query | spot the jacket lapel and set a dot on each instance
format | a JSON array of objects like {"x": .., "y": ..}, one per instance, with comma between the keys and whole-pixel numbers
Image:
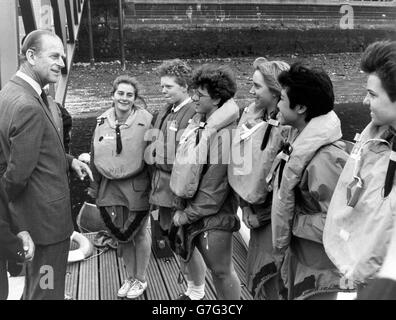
[{"x": 48, "y": 113}]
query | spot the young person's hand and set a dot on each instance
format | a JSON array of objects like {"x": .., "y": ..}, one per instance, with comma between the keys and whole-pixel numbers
[{"x": 180, "y": 218}]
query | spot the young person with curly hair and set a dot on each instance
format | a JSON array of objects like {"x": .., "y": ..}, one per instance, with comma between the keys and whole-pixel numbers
[
  {"x": 171, "y": 121},
  {"x": 208, "y": 217}
]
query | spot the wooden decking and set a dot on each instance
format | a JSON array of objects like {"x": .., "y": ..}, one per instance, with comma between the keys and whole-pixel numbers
[{"x": 100, "y": 276}]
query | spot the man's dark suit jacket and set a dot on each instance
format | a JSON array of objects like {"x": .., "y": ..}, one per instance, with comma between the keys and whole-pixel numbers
[
  {"x": 33, "y": 165},
  {"x": 10, "y": 245}
]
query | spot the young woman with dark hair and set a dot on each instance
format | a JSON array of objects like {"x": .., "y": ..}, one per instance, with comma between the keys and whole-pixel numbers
[
  {"x": 304, "y": 176},
  {"x": 361, "y": 214}
]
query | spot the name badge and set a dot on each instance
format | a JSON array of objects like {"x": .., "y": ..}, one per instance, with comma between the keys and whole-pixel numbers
[
  {"x": 284, "y": 156},
  {"x": 202, "y": 124},
  {"x": 273, "y": 122},
  {"x": 108, "y": 137},
  {"x": 173, "y": 126},
  {"x": 357, "y": 137},
  {"x": 354, "y": 190}
]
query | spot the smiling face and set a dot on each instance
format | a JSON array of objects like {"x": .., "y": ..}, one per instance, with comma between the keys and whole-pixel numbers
[
  {"x": 48, "y": 61},
  {"x": 383, "y": 110},
  {"x": 264, "y": 98},
  {"x": 124, "y": 98},
  {"x": 172, "y": 91}
]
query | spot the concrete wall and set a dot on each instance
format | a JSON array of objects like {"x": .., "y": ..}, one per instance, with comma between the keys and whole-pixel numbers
[
  {"x": 165, "y": 44},
  {"x": 236, "y": 28}
]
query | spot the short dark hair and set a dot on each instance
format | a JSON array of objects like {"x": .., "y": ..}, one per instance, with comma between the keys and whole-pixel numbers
[
  {"x": 380, "y": 58},
  {"x": 218, "y": 80},
  {"x": 33, "y": 40},
  {"x": 178, "y": 69},
  {"x": 310, "y": 87}
]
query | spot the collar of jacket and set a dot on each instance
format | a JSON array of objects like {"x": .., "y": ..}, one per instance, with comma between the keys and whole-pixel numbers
[
  {"x": 250, "y": 114},
  {"x": 109, "y": 115},
  {"x": 224, "y": 116},
  {"x": 377, "y": 132},
  {"x": 181, "y": 105}
]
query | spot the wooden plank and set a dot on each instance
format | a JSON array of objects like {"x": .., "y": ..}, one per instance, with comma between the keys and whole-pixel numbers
[
  {"x": 156, "y": 289},
  {"x": 71, "y": 282},
  {"x": 240, "y": 258},
  {"x": 238, "y": 238},
  {"x": 88, "y": 283},
  {"x": 159, "y": 291},
  {"x": 169, "y": 269},
  {"x": 108, "y": 275},
  {"x": 101, "y": 277}
]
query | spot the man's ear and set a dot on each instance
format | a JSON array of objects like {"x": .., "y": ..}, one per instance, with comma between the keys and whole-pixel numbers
[
  {"x": 301, "y": 109},
  {"x": 30, "y": 56}
]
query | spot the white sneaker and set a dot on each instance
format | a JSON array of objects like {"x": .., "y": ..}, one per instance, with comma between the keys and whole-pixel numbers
[
  {"x": 137, "y": 289},
  {"x": 128, "y": 283}
]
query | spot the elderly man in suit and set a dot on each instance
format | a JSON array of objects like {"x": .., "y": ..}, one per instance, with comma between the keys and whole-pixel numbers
[{"x": 34, "y": 166}]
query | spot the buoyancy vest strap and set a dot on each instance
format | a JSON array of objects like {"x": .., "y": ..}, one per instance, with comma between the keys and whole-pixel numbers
[
  {"x": 390, "y": 174},
  {"x": 168, "y": 111},
  {"x": 202, "y": 125},
  {"x": 271, "y": 123},
  {"x": 286, "y": 152},
  {"x": 118, "y": 139},
  {"x": 123, "y": 236},
  {"x": 307, "y": 284}
]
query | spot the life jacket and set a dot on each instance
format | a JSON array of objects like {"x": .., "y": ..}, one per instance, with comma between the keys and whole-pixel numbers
[
  {"x": 118, "y": 149},
  {"x": 302, "y": 191},
  {"x": 361, "y": 214},
  {"x": 254, "y": 147},
  {"x": 320, "y": 131},
  {"x": 196, "y": 146}
]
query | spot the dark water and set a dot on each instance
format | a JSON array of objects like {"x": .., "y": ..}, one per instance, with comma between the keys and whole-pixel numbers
[{"x": 354, "y": 117}]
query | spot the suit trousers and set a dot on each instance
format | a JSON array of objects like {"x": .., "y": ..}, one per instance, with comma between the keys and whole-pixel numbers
[
  {"x": 3, "y": 280},
  {"x": 45, "y": 275}
]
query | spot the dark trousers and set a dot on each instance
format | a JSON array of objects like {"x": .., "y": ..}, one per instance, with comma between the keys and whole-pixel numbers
[
  {"x": 45, "y": 275},
  {"x": 3, "y": 280}
]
